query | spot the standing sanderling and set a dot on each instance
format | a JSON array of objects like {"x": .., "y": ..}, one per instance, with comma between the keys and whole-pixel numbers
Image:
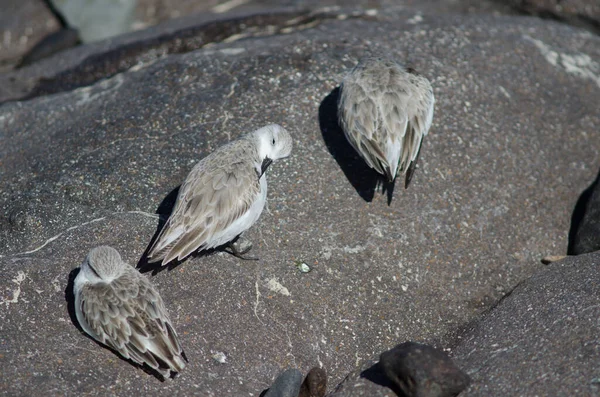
[
  {"x": 385, "y": 111},
  {"x": 119, "y": 307},
  {"x": 222, "y": 196}
]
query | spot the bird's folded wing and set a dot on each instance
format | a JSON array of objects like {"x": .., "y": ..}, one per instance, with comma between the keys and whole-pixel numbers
[
  {"x": 130, "y": 317},
  {"x": 207, "y": 204},
  {"x": 420, "y": 115},
  {"x": 359, "y": 118}
]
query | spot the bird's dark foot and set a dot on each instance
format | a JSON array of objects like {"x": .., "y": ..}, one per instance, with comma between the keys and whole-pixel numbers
[{"x": 241, "y": 246}]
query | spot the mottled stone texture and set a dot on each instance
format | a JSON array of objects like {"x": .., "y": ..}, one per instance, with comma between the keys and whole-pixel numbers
[
  {"x": 514, "y": 142},
  {"x": 542, "y": 339}
]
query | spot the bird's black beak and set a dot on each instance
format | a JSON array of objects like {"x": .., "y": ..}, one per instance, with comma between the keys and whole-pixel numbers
[{"x": 265, "y": 164}]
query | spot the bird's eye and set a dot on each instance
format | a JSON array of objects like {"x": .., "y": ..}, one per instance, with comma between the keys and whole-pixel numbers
[{"x": 273, "y": 141}]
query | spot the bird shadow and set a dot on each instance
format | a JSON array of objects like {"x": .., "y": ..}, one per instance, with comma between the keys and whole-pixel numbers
[
  {"x": 376, "y": 375},
  {"x": 164, "y": 210},
  {"x": 363, "y": 178},
  {"x": 70, "y": 299},
  {"x": 581, "y": 210}
]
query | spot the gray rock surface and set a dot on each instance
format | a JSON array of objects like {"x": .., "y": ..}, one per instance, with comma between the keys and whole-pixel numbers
[
  {"x": 84, "y": 66},
  {"x": 367, "y": 380},
  {"x": 542, "y": 339},
  {"x": 154, "y": 11},
  {"x": 513, "y": 143}
]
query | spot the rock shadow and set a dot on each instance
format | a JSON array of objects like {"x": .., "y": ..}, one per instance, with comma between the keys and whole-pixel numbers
[
  {"x": 584, "y": 232},
  {"x": 376, "y": 375},
  {"x": 364, "y": 179},
  {"x": 70, "y": 299}
]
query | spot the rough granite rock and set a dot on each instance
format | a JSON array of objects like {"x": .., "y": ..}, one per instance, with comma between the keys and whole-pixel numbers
[
  {"x": 84, "y": 66},
  {"x": 23, "y": 23},
  {"x": 514, "y": 141},
  {"x": 542, "y": 339},
  {"x": 583, "y": 13},
  {"x": 367, "y": 380}
]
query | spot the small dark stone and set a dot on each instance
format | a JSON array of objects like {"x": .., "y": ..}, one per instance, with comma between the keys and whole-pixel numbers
[
  {"x": 423, "y": 371},
  {"x": 287, "y": 384},
  {"x": 315, "y": 383}
]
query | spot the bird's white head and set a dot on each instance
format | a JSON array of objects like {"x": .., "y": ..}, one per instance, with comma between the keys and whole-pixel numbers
[
  {"x": 273, "y": 143},
  {"x": 102, "y": 264}
]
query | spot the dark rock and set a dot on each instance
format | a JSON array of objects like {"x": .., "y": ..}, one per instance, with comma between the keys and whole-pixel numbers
[
  {"x": 419, "y": 370},
  {"x": 582, "y": 13},
  {"x": 542, "y": 339},
  {"x": 50, "y": 45},
  {"x": 106, "y": 58},
  {"x": 23, "y": 23},
  {"x": 315, "y": 383},
  {"x": 256, "y": 18},
  {"x": 287, "y": 384},
  {"x": 150, "y": 12},
  {"x": 584, "y": 235},
  {"x": 513, "y": 143}
]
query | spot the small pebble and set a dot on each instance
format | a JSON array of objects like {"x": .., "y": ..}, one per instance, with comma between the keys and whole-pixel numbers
[
  {"x": 303, "y": 267},
  {"x": 423, "y": 371},
  {"x": 315, "y": 383}
]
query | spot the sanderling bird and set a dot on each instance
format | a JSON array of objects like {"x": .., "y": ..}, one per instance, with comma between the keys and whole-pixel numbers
[
  {"x": 385, "y": 111},
  {"x": 222, "y": 196},
  {"x": 119, "y": 307}
]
